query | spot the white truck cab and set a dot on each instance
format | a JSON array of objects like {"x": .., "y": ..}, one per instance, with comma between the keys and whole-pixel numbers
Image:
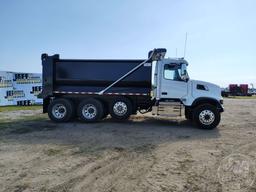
[{"x": 172, "y": 88}]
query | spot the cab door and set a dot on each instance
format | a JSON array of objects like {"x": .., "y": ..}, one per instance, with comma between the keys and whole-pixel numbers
[{"x": 172, "y": 86}]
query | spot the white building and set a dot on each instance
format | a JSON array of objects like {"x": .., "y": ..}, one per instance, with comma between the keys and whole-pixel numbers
[{"x": 20, "y": 88}]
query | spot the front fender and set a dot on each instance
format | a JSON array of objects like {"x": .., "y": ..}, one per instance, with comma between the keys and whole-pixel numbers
[{"x": 212, "y": 101}]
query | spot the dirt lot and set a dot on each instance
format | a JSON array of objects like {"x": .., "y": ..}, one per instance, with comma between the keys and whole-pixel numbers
[{"x": 142, "y": 154}]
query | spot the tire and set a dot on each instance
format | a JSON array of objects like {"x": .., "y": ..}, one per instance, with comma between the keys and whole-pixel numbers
[
  {"x": 120, "y": 108},
  {"x": 105, "y": 112},
  {"x": 61, "y": 110},
  {"x": 189, "y": 114},
  {"x": 104, "y": 116},
  {"x": 90, "y": 110},
  {"x": 206, "y": 116}
]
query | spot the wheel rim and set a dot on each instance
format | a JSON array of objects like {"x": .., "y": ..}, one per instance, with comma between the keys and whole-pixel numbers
[
  {"x": 120, "y": 108},
  {"x": 59, "y": 111},
  {"x": 206, "y": 117},
  {"x": 89, "y": 111}
]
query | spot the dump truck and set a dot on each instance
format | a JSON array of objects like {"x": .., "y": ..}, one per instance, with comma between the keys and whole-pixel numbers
[{"x": 92, "y": 89}]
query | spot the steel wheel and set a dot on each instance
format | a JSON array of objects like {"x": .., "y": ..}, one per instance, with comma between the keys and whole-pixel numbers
[
  {"x": 61, "y": 110},
  {"x": 206, "y": 117},
  {"x": 89, "y": 111},
  {"x": 120, "y": 108}
]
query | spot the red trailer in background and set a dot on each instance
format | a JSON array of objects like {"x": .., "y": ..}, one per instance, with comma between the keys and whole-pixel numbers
[
  {"x": 233, "y": 89},
  {"x": 237, "y": 90},
  {"x": 244, "y": 89}
]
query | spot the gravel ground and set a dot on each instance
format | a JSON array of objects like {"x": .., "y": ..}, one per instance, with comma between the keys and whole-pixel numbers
[{"x": 142, "y": 154}]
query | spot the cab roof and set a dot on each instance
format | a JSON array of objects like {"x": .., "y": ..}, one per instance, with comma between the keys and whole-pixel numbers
[{"x": 175, "y": 60}]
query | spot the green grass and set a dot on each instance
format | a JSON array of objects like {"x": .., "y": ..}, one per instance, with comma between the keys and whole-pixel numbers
[
  {"x": 243, "y": 97},
  {"x": 16, "y": 108},
  {"x": 52, "y": 152},
  {"x": 27, "y": 124}
]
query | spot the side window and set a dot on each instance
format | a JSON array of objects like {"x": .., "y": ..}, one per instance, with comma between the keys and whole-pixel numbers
[{"x": 171, "y": 72}]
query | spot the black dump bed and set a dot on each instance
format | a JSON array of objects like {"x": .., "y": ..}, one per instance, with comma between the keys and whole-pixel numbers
[{"x": 67, "y": 76}]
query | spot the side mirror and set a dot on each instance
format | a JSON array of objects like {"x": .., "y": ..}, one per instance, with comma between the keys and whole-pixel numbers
[
  {"x": 184, "y": 74},
  {"x": 184, "y": 77}
]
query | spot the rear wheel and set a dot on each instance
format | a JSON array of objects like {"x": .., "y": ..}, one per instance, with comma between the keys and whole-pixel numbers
[
  {"x": 120, "y": 108},
  {"x": 206, "y": 116},
  {"x": 90, "y": 110},
  {"x": 61, "y": 110},
  {"x": 105, "y": 112}
]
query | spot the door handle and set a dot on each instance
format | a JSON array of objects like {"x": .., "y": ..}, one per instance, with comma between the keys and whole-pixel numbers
[{"x": 164, "y": 93}]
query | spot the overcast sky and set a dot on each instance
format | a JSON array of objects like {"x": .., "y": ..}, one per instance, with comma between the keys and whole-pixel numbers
[{"x": 221, "y": 46}]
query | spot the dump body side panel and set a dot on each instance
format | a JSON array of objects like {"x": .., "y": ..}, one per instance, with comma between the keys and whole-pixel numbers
[
  {"x": 95, "y": 75},
  {"x": 91, "y": 76}
]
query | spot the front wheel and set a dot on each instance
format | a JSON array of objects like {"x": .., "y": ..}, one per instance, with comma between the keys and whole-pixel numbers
[{"x": 206, "y": 116}]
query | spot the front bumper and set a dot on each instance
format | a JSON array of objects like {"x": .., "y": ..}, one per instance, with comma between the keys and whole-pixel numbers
[{"x": 221, "y": 106}]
